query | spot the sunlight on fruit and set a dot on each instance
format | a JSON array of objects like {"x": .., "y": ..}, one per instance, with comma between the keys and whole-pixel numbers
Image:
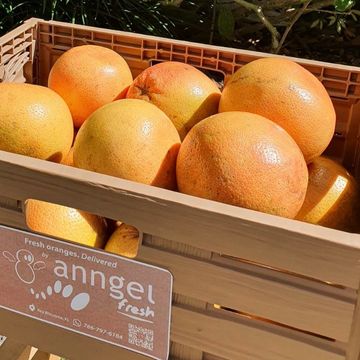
[{"x": 331, "y": 197}]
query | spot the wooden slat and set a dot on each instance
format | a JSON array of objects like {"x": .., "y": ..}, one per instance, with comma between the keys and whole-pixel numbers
[
  {"x": 245, "y": 339},
  {"x": 180, "y": 351},
  {"x": 353, "y": 350},
  {"x": 222, "y": 336},
  {"x": 54, "y": 357},
  {"x": 40, "y": 355},
  {"x": 284, "y": 276},
  {"x": 12, "y": 218},
  {"x": 211, "y": 357},
  {"x": 55, "y": 340},
  {"x": 317, "y": 308},
  {"x": 13, "y": 350},
  {"x": 306, "y": 249},
  {"x": 26, "y": 354},
  {"x": 9, "y": 203},
  {"x": 32, "y": 352}
]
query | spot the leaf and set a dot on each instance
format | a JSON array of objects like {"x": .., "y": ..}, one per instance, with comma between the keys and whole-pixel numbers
[
  {"x": 226, "y": 23},
  {"x": 315, "y": 23},
  {"x": 342, "y": 23},
  {"x": 343, "y": 5},
  {"x": 332, "y": 20},
  {"x": 354, "y": 16},
  {"x": 338, "y": 27}
]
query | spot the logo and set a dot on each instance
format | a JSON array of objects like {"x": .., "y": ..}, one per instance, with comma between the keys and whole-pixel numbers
[
  {"x": 97, "y": 294},
  {"x": 78, "y": 301},
  {"x": 25, "y": 266}
]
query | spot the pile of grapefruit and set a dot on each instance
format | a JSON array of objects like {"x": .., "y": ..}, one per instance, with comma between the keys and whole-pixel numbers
[{"x": 258, "y": 143}]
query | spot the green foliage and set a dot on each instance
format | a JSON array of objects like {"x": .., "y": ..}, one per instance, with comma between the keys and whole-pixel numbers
[
  {"x": 226, "y": 23},
  {"x": 131, "y": 15},
  {"x": 320, "y": 29},
  {"x": 343, "y": 5}
]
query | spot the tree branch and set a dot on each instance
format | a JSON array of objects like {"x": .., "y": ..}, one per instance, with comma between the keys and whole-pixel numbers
[
  {"x": 302, "y": 6},
  {"x": 296, "y": 17},
  {"x": 213, "y": 23},
  {"x": 281, "y": 4},
  {"x": 321, "y": 4},
  {"x": 260, "y": 14}
]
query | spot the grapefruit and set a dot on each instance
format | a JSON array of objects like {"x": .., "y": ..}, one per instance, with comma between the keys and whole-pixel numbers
[
  {"x": 332, "y": 198},
  {"x": 288, "y": 94},
  {"x": 245, "y": 160},
  {"x": 34, "y": 121},
  {"x": 131, "y": 139},
  {"x": 184, "y": 93},
  {"x": 69, "y": 158},
  {"x": 88, "y": 77},
  {"x": 124, "y": 241},
  {"x": 65, "y": 223}
]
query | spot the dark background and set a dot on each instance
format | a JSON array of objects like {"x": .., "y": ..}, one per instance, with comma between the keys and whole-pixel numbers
[{"x": 318, "y": 29}]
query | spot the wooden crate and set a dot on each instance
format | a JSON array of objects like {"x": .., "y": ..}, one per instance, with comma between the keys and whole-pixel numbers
[{"x": 294, "y": 286}]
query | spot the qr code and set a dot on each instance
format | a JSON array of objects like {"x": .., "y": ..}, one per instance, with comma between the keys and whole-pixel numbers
[{"x": 141, "y": 337}]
